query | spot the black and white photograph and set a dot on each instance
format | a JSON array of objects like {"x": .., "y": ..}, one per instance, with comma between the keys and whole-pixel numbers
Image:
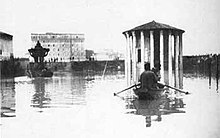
[{"x": 109, "y": 68}]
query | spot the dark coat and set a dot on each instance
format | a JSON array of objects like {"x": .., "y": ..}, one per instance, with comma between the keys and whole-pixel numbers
[{"x": 148, "y": 80}]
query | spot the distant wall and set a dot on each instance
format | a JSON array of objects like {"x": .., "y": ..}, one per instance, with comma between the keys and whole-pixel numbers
[
  {"x": 204, "y": 64},
  {"x": 13, "y": 67},
  {"x": 113, "y": 65},
  {"x": 56, "y": 66}
]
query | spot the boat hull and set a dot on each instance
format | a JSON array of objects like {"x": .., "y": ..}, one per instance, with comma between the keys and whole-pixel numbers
[{"x": 144, "y": 94}]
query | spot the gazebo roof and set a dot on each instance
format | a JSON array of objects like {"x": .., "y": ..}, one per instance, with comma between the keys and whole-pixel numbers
[{"x": 154, "y": 26}]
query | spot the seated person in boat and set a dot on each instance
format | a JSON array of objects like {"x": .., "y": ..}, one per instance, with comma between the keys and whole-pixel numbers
[
  {"x": 156, "y": 71},
  {"x": 148, "y": 79}
]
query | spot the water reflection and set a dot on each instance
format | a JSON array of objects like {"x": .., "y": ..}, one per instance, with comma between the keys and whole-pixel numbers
[
  {"x": 7, "y": 97},
  {"x": 212, "y": 81},
  {"x": 89, "y": 106},
  {"x": 155, "y": 108},
  {"x": 63, "y": 90},
  {"x": 68, "y": 89},
  {"x": 211, "y": 75},
  {"x": 40, "y": 98}
]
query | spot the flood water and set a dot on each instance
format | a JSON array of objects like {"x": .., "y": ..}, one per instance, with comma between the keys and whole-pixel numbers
[{"x": 74, "y": 104}]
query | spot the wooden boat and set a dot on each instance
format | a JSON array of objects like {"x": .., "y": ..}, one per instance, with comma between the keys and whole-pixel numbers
[{"x": 145, "y": 94}]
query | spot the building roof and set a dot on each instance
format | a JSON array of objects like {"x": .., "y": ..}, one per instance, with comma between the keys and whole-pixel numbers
[
  {"x": 154, "y": 26},
  {"x": 50, "y": 33},
  {"x": 5, "y": 36}
]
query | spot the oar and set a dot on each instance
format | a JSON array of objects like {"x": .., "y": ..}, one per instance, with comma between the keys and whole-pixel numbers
[
  {"x": 127, "y": 89},
  {"x": 119, "y": 97},
  {"x": 174, "y": 88}
]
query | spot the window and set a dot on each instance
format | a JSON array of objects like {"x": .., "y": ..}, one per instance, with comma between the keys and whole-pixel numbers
[{"x": 0, "y": 52}]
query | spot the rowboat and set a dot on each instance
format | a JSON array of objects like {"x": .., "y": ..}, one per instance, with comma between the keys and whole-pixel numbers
[{"x": 144, "y": 94}]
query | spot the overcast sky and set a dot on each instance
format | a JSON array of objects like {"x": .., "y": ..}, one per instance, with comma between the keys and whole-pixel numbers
[{"x": 103, "y": 21}]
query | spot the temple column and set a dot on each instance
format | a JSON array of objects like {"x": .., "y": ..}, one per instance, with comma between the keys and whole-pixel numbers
[
  {"x": 142, "y": 51},
  {"x": 151, "y": 49},
  {"x": 127, "y": 58},
  {"x": 130, "y": 59},
  {"x": 161, "y": 56},
  {"x": 147, "y": 50},
  {"x": 134, "y": 57},
  {"x": 176, "y": 60},
  {"x": 180, "y": 61},
  {"x": 170, "y": 58}
]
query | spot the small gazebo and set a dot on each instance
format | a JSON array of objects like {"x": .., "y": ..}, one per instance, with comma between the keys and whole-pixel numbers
[
  {"x": 38, "y": 52},
  {"x": 38, "y": 68},
  {"x": 159, "y": 44}
]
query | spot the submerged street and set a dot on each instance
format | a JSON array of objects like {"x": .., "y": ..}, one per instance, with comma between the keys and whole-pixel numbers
[{"x": 81, "y": 105}]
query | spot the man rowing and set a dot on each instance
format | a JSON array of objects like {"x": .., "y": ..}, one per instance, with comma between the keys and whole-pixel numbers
[
  {"x": 156, "y": 71},
  {"x": 148, "y": 79},
  {"x": 148, "y": 85}
]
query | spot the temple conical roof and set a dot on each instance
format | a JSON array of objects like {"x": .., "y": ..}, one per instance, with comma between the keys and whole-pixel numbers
[{"x": 154, "y": 26}]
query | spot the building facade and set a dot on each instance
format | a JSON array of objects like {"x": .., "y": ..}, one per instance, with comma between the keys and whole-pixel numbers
[
  {"x": 63, "y": 47},
  {"x": 6, "y": 46}
]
